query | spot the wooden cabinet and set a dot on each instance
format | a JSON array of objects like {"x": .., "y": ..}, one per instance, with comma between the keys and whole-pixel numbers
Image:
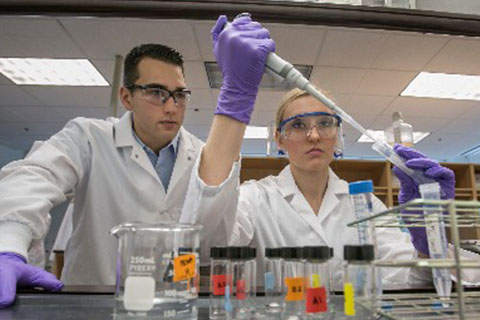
[{"x": 467, "y": 178}]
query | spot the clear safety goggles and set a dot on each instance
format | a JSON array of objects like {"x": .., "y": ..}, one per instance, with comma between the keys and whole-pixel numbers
[
  {"x": 299, "y": 127},
  {"x": 158, "y": 96}
]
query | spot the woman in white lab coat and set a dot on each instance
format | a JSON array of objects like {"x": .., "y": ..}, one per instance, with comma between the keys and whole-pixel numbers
[{"x": 306, "y": 204}]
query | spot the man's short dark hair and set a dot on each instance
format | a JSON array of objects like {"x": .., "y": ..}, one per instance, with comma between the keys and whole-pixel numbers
[{"x": 153, "y": 51}]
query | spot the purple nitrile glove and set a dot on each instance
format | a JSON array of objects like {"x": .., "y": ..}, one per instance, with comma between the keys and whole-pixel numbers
[
  {"x": 409, "y": 188},
  {"x": 241, "y": 49},
  {"x": 14, "y": 271}
]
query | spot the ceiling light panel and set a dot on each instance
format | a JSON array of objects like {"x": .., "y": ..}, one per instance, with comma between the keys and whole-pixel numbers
[
  {"x": 444, "y": 86},
  {"x": 51, "y": 72}
]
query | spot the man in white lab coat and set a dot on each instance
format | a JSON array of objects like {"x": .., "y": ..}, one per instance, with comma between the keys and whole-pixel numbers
[{"x": 133, "y": 168}]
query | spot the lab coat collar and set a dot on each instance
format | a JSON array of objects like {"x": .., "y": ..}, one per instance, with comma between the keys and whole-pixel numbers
[
  {"x": 288, "y": 187},
  {"x": 123, "y": 131},
  {"x": 336, "y": 188}
]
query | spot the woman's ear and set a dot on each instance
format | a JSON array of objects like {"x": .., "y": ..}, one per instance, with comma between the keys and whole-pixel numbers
[{"x": 279, "y": 141}]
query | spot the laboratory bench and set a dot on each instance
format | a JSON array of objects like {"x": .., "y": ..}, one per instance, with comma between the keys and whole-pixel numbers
[{"x": 96, "y": 302}]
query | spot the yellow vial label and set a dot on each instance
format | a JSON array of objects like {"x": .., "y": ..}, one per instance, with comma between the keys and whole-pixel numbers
[
  {"x": 316, "y": 281},
  {"x": 349, "y": 299}
]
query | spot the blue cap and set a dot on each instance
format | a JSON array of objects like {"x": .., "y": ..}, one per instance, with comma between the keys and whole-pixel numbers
[{"x": 360, "y": 187}]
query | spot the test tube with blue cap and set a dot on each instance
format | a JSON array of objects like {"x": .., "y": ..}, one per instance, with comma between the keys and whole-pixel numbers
[{"x": 361, "y": 197}]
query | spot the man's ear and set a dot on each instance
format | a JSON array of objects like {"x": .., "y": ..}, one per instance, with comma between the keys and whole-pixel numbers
[{"x": 126, "y": 98}]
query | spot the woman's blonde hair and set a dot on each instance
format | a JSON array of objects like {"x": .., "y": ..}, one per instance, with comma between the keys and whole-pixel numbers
[{"x": 291, "y": 96}]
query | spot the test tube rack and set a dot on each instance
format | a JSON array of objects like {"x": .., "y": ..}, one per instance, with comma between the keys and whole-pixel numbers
[{"x": 461, "y": 305}]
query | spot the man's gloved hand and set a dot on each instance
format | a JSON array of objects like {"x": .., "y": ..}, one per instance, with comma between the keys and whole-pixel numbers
[
  {"x": 241, "y": 49},
  {"x": 409, "y": 188},
  {"x": 14, "y": 271}
]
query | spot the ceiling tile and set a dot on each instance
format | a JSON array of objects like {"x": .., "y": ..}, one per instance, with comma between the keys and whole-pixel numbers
[
  {"x": 408, "y": 52},
  {"x": 104, "y": 38},
  {"x": 200, "y": 131},
  {"x": 36, "y": 113},
  {"x": 36, "y": 37},
  {"x": 8, "y": 116},
  {"x": 45, "y": 128},
  {"x": 338, "y": 80},
  {"x": 71, "y": 96},
  {"x": 269, "y": 100},
  {"x": 412, "y": 107},
  {"x": 263, "y": 118},
  {"x": 202, "y": 99},
  {"x": 16, "y": 96},
  {"x": 290, "y": 42},
  {"x": 384, "y": 82},
  {"x": 201, "y": 117},
  {"x": 89, "y": 112},
  {"x": 106, "y": 68},
  {"x": 202, "y": 32},
  {"x": 371, "y": 105},
  {"x": 350, "y": 48},
  {"x": 460, "y": 55},
  {"x": 196, "y": 76}
]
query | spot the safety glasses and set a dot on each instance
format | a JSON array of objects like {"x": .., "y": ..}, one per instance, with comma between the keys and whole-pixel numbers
[
  {"x": 299, "y": 127},
  {"x": 158, "y": 96}
]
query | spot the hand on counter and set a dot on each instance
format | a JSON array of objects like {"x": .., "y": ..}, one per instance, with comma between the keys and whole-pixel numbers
[{"x": 15, "y": 272}]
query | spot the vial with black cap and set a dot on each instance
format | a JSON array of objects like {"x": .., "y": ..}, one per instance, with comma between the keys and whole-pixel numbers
[
  {"x": 293, "y": 283},
  {"x": 218, "y": 282},
  {"x": 358, "y": 277},
  {"x": 273, "y": 281},
  {"x": 237, "y": 304},
  {"x": 317, "y": 282}
]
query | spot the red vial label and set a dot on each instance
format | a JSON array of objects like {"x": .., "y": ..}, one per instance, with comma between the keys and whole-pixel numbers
[
  {"x": 219, "y": 283},
  {"x": 316, "y": 300}
]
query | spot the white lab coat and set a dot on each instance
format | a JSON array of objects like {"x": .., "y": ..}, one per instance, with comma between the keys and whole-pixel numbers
[
  {"x": 272, "y": 212},
  {"x": 113, "y": 181}
]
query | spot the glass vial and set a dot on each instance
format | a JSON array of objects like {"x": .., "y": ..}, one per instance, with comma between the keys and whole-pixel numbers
[
  {"x": 358, "y": 281},
  {"x": 218, "y": 282},
  {"x": 237, "y": 304},
  {"x": 293, "y": 286},
  {"x": 400, "y": 132},
  {"x": 273, "y": 281},
  {"x": 317, "y": 282}
]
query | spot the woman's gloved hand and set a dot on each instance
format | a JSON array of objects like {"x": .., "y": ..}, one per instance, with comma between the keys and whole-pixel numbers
[
  {"x": 241, "y": 49},
  {"x": 14, "y": 271},
  {"x": 409, "y": 188}
]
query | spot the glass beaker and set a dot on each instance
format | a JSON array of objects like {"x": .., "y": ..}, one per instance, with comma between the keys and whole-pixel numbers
[{"x": 157, "y": 270}]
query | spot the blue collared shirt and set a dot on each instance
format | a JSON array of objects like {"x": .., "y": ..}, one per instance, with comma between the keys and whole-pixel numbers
[{"x": 164, "y": 161}]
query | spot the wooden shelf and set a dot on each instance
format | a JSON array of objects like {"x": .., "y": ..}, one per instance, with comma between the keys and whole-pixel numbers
[{"x": 380, "y": 172}]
